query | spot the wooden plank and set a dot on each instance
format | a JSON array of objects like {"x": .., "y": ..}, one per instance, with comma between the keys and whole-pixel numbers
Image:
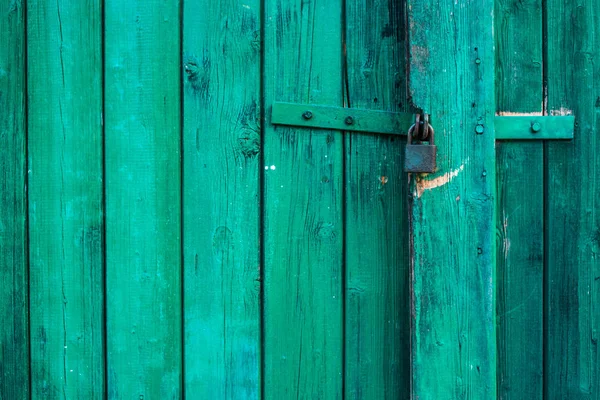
[
  {"x": 452, "y": 211},
  {"x": 377, "y": 280},
  {"x": 572, "y": 365},
  {"x": 65, "y": 199},
  {"x": 221, "y": 43},
  {"x": 14, "y": 345},
  {"x": 342, "y": 118},
  {"x": 143, "y": 197},
  {"x": 303, "y": 223},
  {"x": 528, "y": 127},
  {"x": 520, "y": 199}
]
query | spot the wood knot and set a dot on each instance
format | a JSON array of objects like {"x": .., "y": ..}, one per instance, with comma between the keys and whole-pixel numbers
[
  {"x": 223, "y": 240},
  {"x": 325, "y": 231}
]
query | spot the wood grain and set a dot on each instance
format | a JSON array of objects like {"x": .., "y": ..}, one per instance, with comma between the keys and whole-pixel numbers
[
  {"x": 14, "y": 346},
  {"x": 221, "y": 141},
  {"x": 303, "y": 219},
  {"x": 520, "y": 203},
  {"x": 572, "y": 365},
  {"x": 143, "y": 199},
  {"x": 452, "y": 211},
  {"x": 377, "y": 308},
  {"x": 64, "y": 67}
]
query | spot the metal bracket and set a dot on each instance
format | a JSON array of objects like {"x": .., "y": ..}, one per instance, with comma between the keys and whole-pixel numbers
[
  {"x": 390, "y": 123},
  {"x": 534, "y": 127},
  {"x": 340, "y": 118}
]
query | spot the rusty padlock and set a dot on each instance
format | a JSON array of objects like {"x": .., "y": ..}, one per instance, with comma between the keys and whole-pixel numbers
[{"x": 420, "y": 158}]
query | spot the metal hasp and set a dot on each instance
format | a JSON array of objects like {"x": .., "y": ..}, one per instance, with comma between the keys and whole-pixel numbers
[
  {"x": 391, "y": 123},
  {"x": 420, "y": 158},
  {"x": 341, "y": 118}
]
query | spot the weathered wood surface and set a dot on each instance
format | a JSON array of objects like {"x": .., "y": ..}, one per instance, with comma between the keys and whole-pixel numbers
[
  {"x": 520, "y": 203},
  {"x": 377, "y": 308},
  {"x": 303, "y": 205},
  {"x": 64, "y": 79},
  {"x": 221, "y": 143},
  {"x": 143, "y": 72},
  {"x": 14, "y": 346},
  {"x": 572, "y": 365},
  {"x": 453, "y": 235}
]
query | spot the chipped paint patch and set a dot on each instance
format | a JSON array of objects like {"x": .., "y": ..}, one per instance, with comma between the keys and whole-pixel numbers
[
  {"x": 424, "y": 185},
  {"x": 506, "y": 239},
  {"x": 518, "y": 114},
  {"x": 561, "y": 111}
]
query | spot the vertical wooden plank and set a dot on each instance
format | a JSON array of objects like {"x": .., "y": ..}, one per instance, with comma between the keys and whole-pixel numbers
[
  {"x": 573, "y": 211},
  {"x": 14, "y": 346},
  {"x": 303, "y": 220},
  {"x": 221, "y": 44},
  {"x": 65, "y": 198},
  {"x": 377, "y": 306},
  {"x": 520, "y": 200},
  {"x": 143, "y": 197},
  {"x": 452, "y": 211}
]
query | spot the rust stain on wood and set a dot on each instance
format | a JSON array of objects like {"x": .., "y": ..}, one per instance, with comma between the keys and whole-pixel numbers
[{"x": 423, "y": 184}]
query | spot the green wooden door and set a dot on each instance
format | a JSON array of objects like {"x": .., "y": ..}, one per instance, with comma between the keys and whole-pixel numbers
[{"x": 186, "y": 210}]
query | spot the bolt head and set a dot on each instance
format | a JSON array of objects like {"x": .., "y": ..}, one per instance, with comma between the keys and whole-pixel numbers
[
  {"x": 536, "y": 127},
  {"x": 307, "y": 115},
  {"x": 479, "y": 129},
  {"x": 478, "y": 61},
  {"x": 349, "y": 120}
]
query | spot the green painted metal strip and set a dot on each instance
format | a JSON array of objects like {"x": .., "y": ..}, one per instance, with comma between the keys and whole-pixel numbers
[
  {"x": 534, "y": 127},
  {"x": 324, "y": 117},
  {"x": 391, "y": 123}
]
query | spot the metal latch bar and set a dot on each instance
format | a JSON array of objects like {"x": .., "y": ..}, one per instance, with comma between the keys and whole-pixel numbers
[
  {"x": 392, "y": 123},
  {"x": 534, "y": 127},
  {"x": 340, "y": 118}
]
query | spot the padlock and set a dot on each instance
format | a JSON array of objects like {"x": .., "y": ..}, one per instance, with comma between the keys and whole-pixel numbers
[{"x": 420, "y": 158}]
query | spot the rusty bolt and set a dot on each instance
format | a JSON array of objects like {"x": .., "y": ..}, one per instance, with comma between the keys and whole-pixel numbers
[{"x": 307, "y": 115}]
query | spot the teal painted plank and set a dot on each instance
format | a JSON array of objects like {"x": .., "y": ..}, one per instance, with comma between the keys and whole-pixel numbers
[
  {"x": 342, "y": 118},
  {"x": 572, "y": 364},
  {"x": 303, "y": 226},
  {"x": 377, "y": 280},
  {"x": 143, "y": 189},
  {"x": 530, "y": 127},
  {"x": 65, "y": 199},
  {"x": 221, "y": 44},
  {"x": 452, "y": 211},
  {"x": 14, "y": 346},
  {"x": 519, "y": 199}
]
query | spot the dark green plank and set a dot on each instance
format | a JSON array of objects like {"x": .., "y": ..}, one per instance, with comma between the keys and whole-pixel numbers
[
  {"x": 303, "y": 178},
  {"x": 572, "y": 365},
  {"x": 143, "y": 246},
  {"x": 14, "y": 350},
  {"x": 377, "y": 307},
  {"x": 221, "y": 136},
  {"x": 344, "y": 118},
  {"x": 520, "y": 191},
  {"x": 65, "y": 198},
  {"x": 453, "y": 237}
]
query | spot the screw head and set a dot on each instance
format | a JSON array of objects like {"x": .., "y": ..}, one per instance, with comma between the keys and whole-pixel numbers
[
  {"x": 478, "y": 61},
  {"x": 307, "y": 115},
  {"x": 479, "y": 129},
  {"x": 349, "y": 120},
  {"x": 536, "y": 127}
]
